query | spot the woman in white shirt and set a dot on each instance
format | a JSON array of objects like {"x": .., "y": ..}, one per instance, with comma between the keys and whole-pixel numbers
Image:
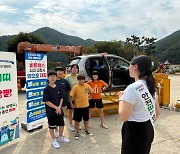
[{"x": 137, "y": 130}]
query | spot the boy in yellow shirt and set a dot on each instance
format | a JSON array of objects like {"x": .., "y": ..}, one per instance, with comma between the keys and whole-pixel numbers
[{"x": 80, "y": 92}]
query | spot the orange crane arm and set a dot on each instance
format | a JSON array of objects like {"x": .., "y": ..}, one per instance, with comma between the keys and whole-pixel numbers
[{"x": 26, "y": 46}]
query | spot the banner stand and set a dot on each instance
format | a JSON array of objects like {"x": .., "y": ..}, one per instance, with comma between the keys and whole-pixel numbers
[
  {"x": 24, "y": 125},
  {"x": 36, "y": 81}
]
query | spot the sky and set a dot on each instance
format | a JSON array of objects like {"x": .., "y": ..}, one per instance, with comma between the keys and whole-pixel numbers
[{"x": 101, "y": 20}]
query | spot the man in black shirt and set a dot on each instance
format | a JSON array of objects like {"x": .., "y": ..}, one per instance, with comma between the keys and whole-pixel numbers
[{"x": 53, "y": 102}]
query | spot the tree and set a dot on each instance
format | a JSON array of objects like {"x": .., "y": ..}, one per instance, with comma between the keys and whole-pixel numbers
[
  {"x": 129, "y": 51},
  {"x": 22, "y": 37},
  {"x": 113, "y": 47},
  {"x": 143, "y": 44},
  {"x": 90, "y": 49}
]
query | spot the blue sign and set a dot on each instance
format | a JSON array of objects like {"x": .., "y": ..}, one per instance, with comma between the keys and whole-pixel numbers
[
  {"x": 36, "y": 114},
  {"x": 31, "y": 84},
  {"x": 36, "y": 81},
  {"x": 32, "y": 94},
  {"x": 35, "y": 103},
  {"x": 34, "y": 56}
]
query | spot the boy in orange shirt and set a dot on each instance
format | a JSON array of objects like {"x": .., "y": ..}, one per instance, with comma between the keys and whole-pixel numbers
[
  {"x": 96, "y": 98},
  {"x": 80, "y": 92}
]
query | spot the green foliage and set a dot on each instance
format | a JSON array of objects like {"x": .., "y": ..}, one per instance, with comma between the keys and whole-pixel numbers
[
  {"x": 54, "y": 37},
  {"x": 173, "y": 56},
  {"x": 91, "y": 49},
  {"x": 52, "y": 65},
  {"x": 114, "y": 47},
  {"x": 129, "y": 50},
  {"x": 3, "y": 42},
  {"x": 23, "y": 37},
  {"x": 58, "y": 57},
  {"x": 169, "y": 48},
  {"x": 143, "y": 44}
]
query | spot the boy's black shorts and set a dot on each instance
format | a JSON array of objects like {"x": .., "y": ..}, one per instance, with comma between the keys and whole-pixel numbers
[
  {"x": 96, "y": 103},
  {"x": 57, "y": 120},
  {"x": 69, "y": 105},
  {"x": 80, "y": 113}
]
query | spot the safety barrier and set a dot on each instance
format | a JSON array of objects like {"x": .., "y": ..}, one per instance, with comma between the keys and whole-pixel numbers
[{"x": 163, "y": 84}]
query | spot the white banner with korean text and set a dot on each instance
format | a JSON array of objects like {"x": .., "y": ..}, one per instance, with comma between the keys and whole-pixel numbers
[{"x": 9, "y": 116}]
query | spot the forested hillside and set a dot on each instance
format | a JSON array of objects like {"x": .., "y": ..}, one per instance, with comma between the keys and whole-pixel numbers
[{"x": 168, "y": 48}]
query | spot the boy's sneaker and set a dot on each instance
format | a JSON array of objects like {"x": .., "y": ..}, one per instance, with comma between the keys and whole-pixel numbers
[
  {"x": 71, "y": 127},
  {"x": 104, "y": 126},
  {"x": 77, "y": 136},
  {"x": 56, "y": 144},
  {"x": 88, "y": 133},
  {"x": 63, "y": 139},
  {"x": 56, "y": 133}
]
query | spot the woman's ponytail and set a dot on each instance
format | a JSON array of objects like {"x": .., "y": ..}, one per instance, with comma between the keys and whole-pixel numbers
[
  {"x": 150, "y": 81},
  {"x": 144, "y": 67}
]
